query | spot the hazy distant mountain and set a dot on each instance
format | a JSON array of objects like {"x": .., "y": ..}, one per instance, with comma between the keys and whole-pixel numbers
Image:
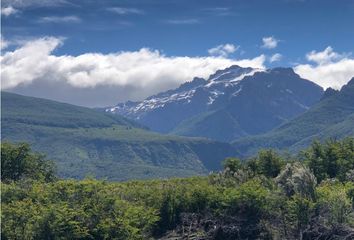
[
  {"x": 232, "y": 103},
  {"x": 85, "y": 142},
  {"x": 332, "y": 117}
]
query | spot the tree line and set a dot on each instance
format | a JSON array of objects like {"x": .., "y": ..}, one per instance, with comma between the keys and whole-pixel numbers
[{"x": 269, "y": 196}]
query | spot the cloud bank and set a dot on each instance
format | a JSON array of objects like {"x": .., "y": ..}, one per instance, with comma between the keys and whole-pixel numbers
[
  {"x": 330, "y": 69},
  {"x": 95, "y": 79},
  {"x": 146, "y": 71}
]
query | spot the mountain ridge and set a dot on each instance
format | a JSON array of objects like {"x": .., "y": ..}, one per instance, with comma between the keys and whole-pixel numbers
[
  {"x": 332, "y": 117},
  {"x": 250, "y": 101}
]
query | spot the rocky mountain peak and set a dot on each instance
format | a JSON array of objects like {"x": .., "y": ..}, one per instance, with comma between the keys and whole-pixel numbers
[
  {"x": 329, "y": 92},
  {"x": 246, "y": 97},
  {"x": 351, "y": 82}
]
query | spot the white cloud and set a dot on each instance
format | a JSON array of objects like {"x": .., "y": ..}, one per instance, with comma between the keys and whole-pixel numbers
[
  {"x": 331, "y": 69},
  {"x": 3, "y": 43},
  {"x": 269, "y": 42},
  {"x": 125, "y": 11},
  {"x": 183, "y": 21},
  {"x": 7, "y": 11},
  {"x": 324, "y": 57},
  {"x": 275, "y": 57},
  {"x": 27, "y": 63},
  {"x": 61, "y": 19},
  {"x": 33, "y": 3},
  {"x": 218, "y": 11},
  {"x": 223, "y": 50},
  {"x": 145, "y": 69}
]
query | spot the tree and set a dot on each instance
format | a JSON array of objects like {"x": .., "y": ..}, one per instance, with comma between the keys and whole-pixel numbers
[
  {"x": 296, "y": 178},
  {"x": 18, "y": 161},
  {"x": 334, "y": 203},
  {"x": 269, "y": 163},
  {"x": 299, "y": 211},
  {"x": 232, "y": 164},
  {"x": 333, "y": 159}
]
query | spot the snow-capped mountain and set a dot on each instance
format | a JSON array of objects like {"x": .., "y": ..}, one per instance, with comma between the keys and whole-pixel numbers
[
  {"x": 231, "y": 103},
  {"x": 187, "y": 92}
]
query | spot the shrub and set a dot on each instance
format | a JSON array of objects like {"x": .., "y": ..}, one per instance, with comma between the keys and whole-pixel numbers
[{"x": 19, "y": 162}]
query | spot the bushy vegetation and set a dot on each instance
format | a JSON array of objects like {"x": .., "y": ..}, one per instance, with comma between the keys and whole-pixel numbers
[
  {"x": 265, "y": 197},
  {"x": 334, "y": 159},
  {"x": 18, "y": 162}
]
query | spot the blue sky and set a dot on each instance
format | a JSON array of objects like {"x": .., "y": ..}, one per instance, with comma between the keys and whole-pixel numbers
[
  {"x": 177, "y": 28},
  {"x": 190, "y": 27}
]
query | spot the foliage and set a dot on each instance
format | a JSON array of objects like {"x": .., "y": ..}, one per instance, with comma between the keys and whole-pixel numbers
[
  {"x": 335, "y": 202},
  {"x": 232, "y": 164},
  {"x": 269, "y": 163},
  {"x": 333, "y": 159},
  {"x": 18, "y": 162},
  {"x": 299, "y": 211},
  {"x": 244, "y": 201},
  {"x": 297, "y": 179},
  {"x": 77, "y": 210}
]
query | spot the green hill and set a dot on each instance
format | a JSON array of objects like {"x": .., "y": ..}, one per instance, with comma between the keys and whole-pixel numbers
[
  {"x": 332, "y": 117},
  {"x": 85, "y": 142},
  {"x": 37, "y": 111}
]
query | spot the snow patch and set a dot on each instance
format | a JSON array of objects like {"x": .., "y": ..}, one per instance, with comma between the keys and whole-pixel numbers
[
  {"x": 214, "y": 95},
  {"x": 242, "y": 76},
  {"x": 289, "y": 91},
  {"x": 237, "y": 92}
]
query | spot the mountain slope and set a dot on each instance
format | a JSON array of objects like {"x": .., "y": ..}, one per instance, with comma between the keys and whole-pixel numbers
[
  {"x": 333, "y": 116},
  {"x": 232, "y": 103},
  {"x": 164, "y": 111},
  {"x": 219, "y": 124},
  {"x": 37, "y": 111},
  {"x": 84, "y": 142}
]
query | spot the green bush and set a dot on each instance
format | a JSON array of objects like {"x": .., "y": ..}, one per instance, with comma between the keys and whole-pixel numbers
[
  {"x": 334, "y": 203},
  {"x": 333, "y": 159},
  {"x": 18, "y": 162},
  {"x": 74, "y": 210},
  {"x": 256, "y": 199}
]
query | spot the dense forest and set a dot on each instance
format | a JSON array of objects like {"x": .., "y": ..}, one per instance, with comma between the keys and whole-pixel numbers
[{"x": 269, "y": 196}]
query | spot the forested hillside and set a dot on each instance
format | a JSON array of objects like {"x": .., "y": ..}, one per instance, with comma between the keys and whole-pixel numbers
[
  {"x": 266, "y": 197},
  {"x": 85, "y": 142}
]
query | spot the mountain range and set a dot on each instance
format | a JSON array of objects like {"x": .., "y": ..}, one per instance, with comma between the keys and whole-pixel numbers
[
  {"x": 84, "y": 142},
  {"x": 331, "y": 117},
  {"x": 235, "y": 112},
  {"x": 232, "y": 103}
]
